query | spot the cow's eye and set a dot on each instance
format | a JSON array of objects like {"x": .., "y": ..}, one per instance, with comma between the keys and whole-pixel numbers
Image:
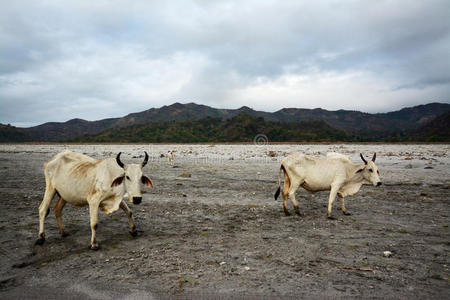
[
  {"x": 370, "y": 170},
  {"x": 128, "y": 177}
]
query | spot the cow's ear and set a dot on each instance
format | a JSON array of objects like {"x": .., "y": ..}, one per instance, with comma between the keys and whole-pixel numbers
[
  {"x": 360, "y": 170},
  {"x": 145, "y": 180},
  {"x": 117, "y": 181}
]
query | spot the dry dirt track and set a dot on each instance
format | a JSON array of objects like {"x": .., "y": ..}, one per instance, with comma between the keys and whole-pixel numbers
[{"x": 219, "y": 233}]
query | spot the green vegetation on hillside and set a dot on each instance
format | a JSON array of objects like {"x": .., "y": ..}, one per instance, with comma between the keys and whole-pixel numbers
[
  {"x": 13, "y": 134},
  {"x": 241, "y": 128},
  {"x": 437, "y": 130}
]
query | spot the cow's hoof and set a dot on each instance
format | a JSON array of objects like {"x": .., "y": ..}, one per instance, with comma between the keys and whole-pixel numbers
[
  {"x": 133, "y": 233},
  {"x": 287, "y": 214},
  {"x": 40, "y": 241},
  {"x": 298, "y": 213},
  {"x": 346, "y": 213},
  {"x": 331, "y": 218},
  {"x": 94, "y": 247},
  {"x": 64, "y": 234}
]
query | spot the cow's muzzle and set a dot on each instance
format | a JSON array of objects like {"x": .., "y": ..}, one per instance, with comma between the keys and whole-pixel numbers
[
  {"x": 379, "y": 183},
  {"x": 137, "y": 200}
]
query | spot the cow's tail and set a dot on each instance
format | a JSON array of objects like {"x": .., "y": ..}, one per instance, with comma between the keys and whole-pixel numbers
[{"x": 277, "y": 193}]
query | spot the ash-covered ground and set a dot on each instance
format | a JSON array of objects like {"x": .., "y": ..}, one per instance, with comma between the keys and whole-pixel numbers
[{"x": 220, "y": 234}]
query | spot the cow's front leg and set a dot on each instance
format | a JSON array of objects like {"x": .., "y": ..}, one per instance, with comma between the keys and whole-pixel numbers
[
  {"x": 93, "y": 212},
  {"x": 344, "y": 210},
  {"x": 333, "y": 193},
  {"x": 127, "y": 210}
]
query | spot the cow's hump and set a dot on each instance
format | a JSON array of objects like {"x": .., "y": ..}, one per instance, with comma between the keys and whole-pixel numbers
[{"x": 338, "y": 156}]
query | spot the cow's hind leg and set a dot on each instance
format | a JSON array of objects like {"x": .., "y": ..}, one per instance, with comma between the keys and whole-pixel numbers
[
  {"x": 127, "y": 210},
  {"x": 59, "y": 205},
  {"x": 292, "y": 190},
  {"x": 285, "y": 193},
  {"x": 344, "y": 210},
  {"x": 44, "y": 210}
]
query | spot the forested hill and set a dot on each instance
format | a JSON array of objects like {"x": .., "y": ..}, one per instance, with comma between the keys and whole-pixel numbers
[
  {"x": 193, "y": 123},
  {"x": 245, "y": 128},
  {"x": 241, "y": 128}
]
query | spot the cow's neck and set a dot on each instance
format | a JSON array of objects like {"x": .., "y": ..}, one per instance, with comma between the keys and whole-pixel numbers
[{"x": 355, "y": 176}]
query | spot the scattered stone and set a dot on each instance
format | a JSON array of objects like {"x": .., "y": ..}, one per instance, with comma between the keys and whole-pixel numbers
[
  {"x": 409, "y": 166},
  {"x": 185, "y": 175},
  {"x": 387, "y": 253},
  {"x": 271, "y": 154},
  {"x": 428, "y": 167},
  {"x": 408, "y": 158}
]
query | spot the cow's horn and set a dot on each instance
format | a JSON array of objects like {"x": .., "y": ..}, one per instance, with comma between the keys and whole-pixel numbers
[
  {"x": 374, "y": 157},
  {"x": 118, "y": 160},
  {"x": 362, "y": 157},
  {"x": 145, "y": 159}
]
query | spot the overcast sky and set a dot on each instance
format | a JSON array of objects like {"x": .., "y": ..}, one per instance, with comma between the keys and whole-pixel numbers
[{"x": 96, "y": 59}]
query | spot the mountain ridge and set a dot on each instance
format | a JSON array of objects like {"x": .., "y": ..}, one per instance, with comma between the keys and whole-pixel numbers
[{"x": 354, "y": 122}]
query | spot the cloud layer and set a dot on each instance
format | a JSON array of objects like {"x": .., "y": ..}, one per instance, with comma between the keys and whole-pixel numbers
[{"x": 93, "y": 60}]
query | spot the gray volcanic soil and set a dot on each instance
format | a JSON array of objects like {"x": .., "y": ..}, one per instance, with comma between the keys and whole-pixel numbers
[{"x": 219, "y": 233}]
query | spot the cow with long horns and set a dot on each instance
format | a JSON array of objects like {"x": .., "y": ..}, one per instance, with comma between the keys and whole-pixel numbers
[
  {"x": 335, "y": 173},
  {"x": 81, "y": 180}
]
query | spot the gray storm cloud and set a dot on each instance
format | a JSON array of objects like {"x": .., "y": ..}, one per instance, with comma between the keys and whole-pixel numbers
[{"x": 61, "y": 60}]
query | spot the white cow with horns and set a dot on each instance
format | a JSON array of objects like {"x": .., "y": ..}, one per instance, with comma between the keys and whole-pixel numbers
[
  {"x": 335, "y": 173},
  {"x": 81, "y": 180}
]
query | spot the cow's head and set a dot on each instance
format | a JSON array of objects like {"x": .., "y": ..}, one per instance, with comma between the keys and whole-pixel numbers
[
  {"x": 370, "y": 171},
  {"x": 133, "y": 178}
]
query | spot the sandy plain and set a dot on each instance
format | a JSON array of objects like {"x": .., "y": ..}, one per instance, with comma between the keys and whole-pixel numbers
[{"x": 220, "y": 234}]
